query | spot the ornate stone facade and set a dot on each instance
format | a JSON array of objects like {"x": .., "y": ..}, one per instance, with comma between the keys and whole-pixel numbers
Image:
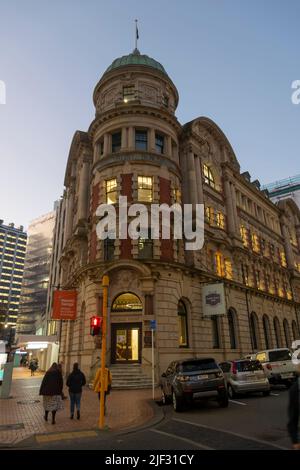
[{"x": 251, "y": 245}]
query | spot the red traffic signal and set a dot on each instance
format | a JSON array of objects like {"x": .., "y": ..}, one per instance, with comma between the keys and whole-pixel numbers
[{"x": 95, "y": 325}]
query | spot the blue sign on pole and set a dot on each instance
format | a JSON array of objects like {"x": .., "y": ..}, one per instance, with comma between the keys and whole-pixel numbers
[{"x": 153, "y": 324}]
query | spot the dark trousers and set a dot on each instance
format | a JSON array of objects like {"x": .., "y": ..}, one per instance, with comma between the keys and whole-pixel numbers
[{"x": 75, "y": 399}]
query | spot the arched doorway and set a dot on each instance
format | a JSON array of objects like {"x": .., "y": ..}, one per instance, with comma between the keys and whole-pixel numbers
[
  {"x": 126, "y": 335},
  {"x": 254, "y": 330},
  {"x": 267, "y": 332}
]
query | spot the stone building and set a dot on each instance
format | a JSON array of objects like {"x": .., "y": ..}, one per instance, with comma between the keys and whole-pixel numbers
[{"x": 137, "y": 148}]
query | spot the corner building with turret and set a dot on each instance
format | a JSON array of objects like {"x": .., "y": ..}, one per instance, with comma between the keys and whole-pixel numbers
[{"x": 136, "y": 147}]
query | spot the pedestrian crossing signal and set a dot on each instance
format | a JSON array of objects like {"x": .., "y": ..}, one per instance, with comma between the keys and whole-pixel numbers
[{"x": 95, "y": 325}]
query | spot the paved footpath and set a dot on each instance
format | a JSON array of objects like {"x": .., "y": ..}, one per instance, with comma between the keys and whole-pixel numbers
[{"x": 22, "y": 415}]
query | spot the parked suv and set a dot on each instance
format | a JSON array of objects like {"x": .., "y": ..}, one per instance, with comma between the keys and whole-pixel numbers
[
  {"x": 190, "y": 379},
  {"x": 244, "y": 376},
  {"x": 278, "y": 365}
]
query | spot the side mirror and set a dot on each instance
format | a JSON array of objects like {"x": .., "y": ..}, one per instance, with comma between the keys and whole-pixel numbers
[{"x": 164, "y": 375}]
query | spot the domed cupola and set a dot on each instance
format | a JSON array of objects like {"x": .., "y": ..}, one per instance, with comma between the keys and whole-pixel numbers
[
  {"x": 135, "y": 79},
  {"x": 135, "y": 58}
]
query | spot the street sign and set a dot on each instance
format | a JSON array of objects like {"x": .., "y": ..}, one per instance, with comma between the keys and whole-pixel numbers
[{"x": 153, "y": 324}]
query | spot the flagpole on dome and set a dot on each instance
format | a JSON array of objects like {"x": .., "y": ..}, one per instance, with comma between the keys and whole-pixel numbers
[{"x": 136, "y": 51}]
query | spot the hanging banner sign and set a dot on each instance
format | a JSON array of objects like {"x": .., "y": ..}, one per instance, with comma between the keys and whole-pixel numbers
[
  {"x": 64, "y": 305},
  {"x": 213, "y": 300}
]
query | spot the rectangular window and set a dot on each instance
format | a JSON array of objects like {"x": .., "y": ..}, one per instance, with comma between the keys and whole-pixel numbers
[
  {"x": 177, "y": 195},
  {"x": 145, "y": 184},
  {"x": 116, "y": 142},
  {"x": 244, "y": 236},
  {"x": 227, "y": 269},
  {"x": 101, "y": 148},
  {"x": 283, "y": 259},
  {"x": 209, "y": 215},
  {"x": 141, "y": 140},
  {"x": 219, "y": 264},
  {"x": 111, "y": 191},
  {"x": 128, "y": 94},
  {"x": 159, "y": 143},
  {"x": 255, "y": 243},
  {"x": 220, "y": 220},
  {"x": 245, "y": 272},
  {"x": 145, "y": 248},
  {"x": 109, "y": 249}
]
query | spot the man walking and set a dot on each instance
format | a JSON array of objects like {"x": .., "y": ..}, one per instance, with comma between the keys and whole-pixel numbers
[{"x": 75, "y": 382}]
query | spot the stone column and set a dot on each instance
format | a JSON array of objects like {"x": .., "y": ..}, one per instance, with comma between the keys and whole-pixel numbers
[
  {"x": 69, "y": 215},
  {"x": 131, "y": 145},
  {"x": 124, "y": 139},
  {"x": 200, "y": 198},
  {"x": 287, "y": 245},
  {"x": 83, "y": 189},
  {"x": 106, "y": 144},
  {"x": 152, "y": 140},
  {"x": 192, "y": 178},
  {"x": 229, "y": 208},
  {"x": 235, "y": 214}
]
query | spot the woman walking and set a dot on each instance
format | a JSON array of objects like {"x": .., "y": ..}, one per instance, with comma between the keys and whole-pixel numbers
[
  {"x": 51, "y": 390},
  {"x": 75, "y": 382}
]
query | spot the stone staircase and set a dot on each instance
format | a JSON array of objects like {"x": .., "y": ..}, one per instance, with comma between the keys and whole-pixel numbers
[{"x": 129, "y": 376}]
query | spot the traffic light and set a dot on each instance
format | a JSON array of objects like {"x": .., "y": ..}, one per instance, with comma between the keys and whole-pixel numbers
[{"x": 95, "y": 325}]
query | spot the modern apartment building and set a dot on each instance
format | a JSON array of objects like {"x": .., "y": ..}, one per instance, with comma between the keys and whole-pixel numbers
[
  {"x": 285, "y": 188},
  {"x": 12, "y": 255},
  {"x": 36, "y": 275}
]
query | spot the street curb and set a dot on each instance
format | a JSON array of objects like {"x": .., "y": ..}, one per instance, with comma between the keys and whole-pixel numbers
[{"x": 159, "y": 415}]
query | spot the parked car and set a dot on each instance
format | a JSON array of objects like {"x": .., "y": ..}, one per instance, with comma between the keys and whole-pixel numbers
[
  {"x": 187, "y": 380},
  {"x": 245, "y": 376},
  {"x": 278, "y": 365}
]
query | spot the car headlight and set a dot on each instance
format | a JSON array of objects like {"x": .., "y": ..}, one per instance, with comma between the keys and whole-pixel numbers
[
  {"x": 183, "y": 378},
  {"x": 219, "y": 374}
]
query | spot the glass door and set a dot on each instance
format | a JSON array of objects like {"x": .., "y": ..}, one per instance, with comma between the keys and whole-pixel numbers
[{"x": 125, "y": 343}]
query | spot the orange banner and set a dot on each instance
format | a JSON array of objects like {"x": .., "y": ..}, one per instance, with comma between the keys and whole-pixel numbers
[{"x": 64, "y": 305}]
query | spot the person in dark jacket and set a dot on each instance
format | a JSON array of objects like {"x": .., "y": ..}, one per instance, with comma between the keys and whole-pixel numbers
[
  {"x": 75, "y": 382},
  {"x": 51, "y": 389},
  {"x": 293, "y": 411}
]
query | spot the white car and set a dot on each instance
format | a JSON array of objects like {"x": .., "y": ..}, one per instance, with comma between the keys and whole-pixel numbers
[{"x": 278, "y": 365}]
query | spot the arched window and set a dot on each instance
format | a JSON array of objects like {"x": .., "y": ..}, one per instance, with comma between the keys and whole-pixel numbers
[
  {"x": 267, "y": 335},
  {"x": 295, "y": 330},
  {"x": 126, "y": 302},
  {"x": 277, "y": 332},
  {"x": 254, "y": 330},
  {"x": 287, "y": 334},
  {"x": 232, "y": 329},
  {"x": 208, "y": 176},
  {"x": 215, "y": 332},
  {"x": 183, "y": 325}
]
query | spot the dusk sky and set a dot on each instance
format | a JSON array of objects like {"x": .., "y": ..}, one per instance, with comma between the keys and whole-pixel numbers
[{"x": 231, "y": 60}]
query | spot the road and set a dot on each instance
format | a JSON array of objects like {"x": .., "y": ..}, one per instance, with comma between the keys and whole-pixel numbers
[{"x": 250, "y": 422}]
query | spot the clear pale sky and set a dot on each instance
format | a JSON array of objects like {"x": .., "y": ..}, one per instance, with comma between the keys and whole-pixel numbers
[{"x": 231, "y": 60}]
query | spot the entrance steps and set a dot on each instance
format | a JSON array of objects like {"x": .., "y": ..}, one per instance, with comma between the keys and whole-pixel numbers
[{"x": 129, "y": 376}]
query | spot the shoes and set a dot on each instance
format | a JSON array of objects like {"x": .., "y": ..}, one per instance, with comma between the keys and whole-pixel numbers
[
  {"x": 72, "y": 416},
  {"x": 78, "y": 414}
]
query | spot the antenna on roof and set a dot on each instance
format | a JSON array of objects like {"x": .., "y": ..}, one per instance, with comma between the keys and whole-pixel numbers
[{"x": 136, "y": 51}]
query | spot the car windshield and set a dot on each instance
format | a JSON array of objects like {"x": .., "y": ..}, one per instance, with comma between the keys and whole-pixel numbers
[
  {"x": 283, "y": 355},
  {"x": 194, "y": 366},
  {"x": 248, "y": 366}
]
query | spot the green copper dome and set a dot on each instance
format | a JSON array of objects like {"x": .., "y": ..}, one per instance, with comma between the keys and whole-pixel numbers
[{"x": 135, "y": 59}]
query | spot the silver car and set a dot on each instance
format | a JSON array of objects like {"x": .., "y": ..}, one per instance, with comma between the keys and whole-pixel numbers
[{"x": 244, "y": 376}]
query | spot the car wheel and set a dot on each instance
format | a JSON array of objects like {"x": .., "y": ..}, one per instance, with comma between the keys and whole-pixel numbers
[
  {"x": 177, "y": 402},
  {"x": 266, "y": 393},
  {"x": 231, "y": 391}
]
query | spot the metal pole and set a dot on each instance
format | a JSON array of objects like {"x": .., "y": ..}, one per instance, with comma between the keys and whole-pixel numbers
[
  {"x": 105, "y": 284},
  {"x": 152, "y": 341}
]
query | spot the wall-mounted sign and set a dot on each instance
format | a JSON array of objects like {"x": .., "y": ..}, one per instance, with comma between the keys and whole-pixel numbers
[
  {"x": 64, "y": 305},
  {"x": 213, "y": 300}
]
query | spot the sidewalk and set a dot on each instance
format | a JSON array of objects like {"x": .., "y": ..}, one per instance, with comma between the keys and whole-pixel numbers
[{"x": 22, "y": 415}]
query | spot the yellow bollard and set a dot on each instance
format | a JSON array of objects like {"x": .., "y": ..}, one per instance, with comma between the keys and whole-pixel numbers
[{"x": 105, "y": 284}]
